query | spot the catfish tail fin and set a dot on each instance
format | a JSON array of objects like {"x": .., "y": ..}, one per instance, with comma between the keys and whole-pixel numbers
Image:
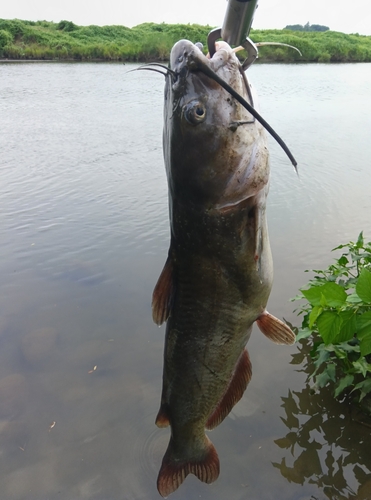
[{"x": 174, "y": 469}]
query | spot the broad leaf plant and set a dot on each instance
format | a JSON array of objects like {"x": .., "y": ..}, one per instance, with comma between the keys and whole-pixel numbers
[{"x": 337, "y": 321}]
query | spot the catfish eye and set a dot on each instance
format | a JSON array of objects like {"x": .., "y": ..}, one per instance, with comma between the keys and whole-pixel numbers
[{"x": 194, "y": 112}]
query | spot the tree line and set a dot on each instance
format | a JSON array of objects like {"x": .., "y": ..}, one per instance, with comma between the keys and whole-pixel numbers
[{"x": 306, "y": 27}]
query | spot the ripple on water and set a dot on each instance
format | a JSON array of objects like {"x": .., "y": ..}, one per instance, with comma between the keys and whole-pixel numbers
[{"x": 149, "y": 449}]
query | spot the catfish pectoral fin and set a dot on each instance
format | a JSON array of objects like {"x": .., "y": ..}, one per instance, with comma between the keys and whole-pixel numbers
[
  {"x": 236, "y": 387},
  {"x": 174, "y": 470},
  {"x": 275, "y": 329},
  {"x": 163, "y": 294}
]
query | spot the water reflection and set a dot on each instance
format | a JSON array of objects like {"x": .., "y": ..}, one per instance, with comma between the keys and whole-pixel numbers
[{"x": 328, "y": 441}]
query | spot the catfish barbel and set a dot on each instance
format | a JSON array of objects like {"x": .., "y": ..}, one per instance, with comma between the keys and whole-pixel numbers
[{"x": 218, "y": 275}]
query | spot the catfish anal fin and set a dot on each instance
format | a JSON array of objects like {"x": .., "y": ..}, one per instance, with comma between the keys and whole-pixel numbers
[
  {"x": 276, "y": 330},
  {"x": 162, "y": 419},
  {"x": 163, "y": 294},
  {"x": 236, "y": 387}
]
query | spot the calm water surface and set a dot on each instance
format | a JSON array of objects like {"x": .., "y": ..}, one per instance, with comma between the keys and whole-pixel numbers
[{"x": 84, "y": 235}]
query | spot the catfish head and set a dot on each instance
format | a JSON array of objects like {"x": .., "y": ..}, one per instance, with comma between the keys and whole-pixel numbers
[{"x": 215, "y": 150}]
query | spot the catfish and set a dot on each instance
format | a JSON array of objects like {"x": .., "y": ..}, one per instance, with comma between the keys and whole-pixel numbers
[{"x": 218, "y": 274}]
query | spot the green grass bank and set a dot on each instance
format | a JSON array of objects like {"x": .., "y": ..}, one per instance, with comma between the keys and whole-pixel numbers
[{"x": 148, "y": 42}]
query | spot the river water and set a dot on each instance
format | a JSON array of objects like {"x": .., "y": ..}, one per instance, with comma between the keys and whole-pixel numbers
[{"x": 83, "y": 237}]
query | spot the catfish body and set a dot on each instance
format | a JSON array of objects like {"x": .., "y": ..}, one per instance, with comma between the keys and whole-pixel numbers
[{"x": 218, "y": 275}]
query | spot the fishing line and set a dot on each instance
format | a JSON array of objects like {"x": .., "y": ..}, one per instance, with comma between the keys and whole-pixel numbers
[{"x": 211, "y": 74}]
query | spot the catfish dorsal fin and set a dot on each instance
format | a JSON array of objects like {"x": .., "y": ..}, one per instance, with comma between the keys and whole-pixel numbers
[
  {"x": 163, "y": 294},
  {"x": 204, "y": 465},
  {"x": 275, "y": 329},
  {"x": 236, "y": 387}
]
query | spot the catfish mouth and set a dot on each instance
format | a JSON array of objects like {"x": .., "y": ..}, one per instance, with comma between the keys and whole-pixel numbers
[{"x": 186, "y": 56}]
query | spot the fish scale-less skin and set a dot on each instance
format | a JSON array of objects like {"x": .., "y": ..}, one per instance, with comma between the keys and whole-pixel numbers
[
  {"x": 215, "y": 303},
  {"x": 218, "y": 276}
]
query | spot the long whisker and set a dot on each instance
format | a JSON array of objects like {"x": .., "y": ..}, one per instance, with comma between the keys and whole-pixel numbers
[
  {"x": 148, "y": 68},
  {"x": 211, "y": 74},
  {"x": 152, "y": 69},
  {"x": 260, "y": 44},
  {"x": 168, "y": 70}
]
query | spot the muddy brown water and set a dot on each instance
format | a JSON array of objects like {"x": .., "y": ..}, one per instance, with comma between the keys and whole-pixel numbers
[{"x": 83, "y": 236}]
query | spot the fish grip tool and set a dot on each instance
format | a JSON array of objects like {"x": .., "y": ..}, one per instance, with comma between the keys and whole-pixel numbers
[{"x": 236, "y": 28}]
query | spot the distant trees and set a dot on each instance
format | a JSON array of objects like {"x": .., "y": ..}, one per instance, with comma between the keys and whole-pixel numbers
[
  {"x": 66, "y": 26},
  {"x": 5, "y": 38},
  {"x": 306, "y": 27}
]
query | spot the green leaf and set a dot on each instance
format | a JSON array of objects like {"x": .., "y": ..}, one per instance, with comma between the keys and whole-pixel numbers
[
  {"x": 365, "y": 342},
  {"x": 335, "y": 295},
  {"x": 363, "y": 321},
  {"x": 363, "y": 287},
  {"x": 343, "y": 261},
  {"x": 346, "y": 346},
  {"x": 330, "y": 294},
  {"x": 343, "y": 384},
  {"x": 364, "y": 332},
  {"x": 313, "y": 295},
  {"x": 329, "y": 324},
  {"x": 348, "y": 325},
  {"x": 331, "y": 370},
  {"x": 320, "y": 356},
  {"x": 340, "y": 247},
  {"x": 353, "y": 298},
  {"x": 361, "y": 366},
  {"x": 364, "y": 387},
  {"x": 297, "y": 297},
  {"x": 360, "y": 240},
  {"x": 340, "y": 353},
  {"x": 322, "y": 379},
  {"x": 304, "y": 333},
  {"x": 315, "y": 312}
]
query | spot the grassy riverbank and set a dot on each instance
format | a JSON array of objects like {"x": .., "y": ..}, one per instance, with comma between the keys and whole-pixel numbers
[{"x": 149, "y": 41}]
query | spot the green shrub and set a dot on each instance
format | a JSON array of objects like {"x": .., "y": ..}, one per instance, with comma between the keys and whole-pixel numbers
[
  {"x": 325, "y": 57},
  {"x": 152, "y": 41},
  {"x": 5, "y": 38},
  {"x": 337, "y": 320},
  {"x": 66, "y": 26},
  {"x": 13, "y": 52},
  {"x": 15, "y": 27}
]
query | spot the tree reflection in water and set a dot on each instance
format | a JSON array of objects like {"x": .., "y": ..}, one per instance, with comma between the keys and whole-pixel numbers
[{"x": 329, "y": 441}]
